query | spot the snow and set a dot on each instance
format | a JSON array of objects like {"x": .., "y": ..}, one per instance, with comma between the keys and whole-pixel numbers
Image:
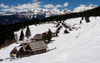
[
  {"x": 82, "y": 8},
  {"x": 79, "y": 46}
]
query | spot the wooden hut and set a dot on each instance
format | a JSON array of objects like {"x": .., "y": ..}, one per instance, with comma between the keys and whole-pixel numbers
[
  {"x": 54, "y": 34},
  {"x": 76, "y": 26},
  {"x": 45, "y": 33},
  {"x": 35, "y": 47},
  {"x": 17, "y": 52},
  {"x": 65, "y": 31},
  {"x": 38, "y": 37},
  {"x": 66, "y": 25}
]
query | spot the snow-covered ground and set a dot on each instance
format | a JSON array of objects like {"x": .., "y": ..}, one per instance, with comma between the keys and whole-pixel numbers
[{"x": 79, "y": 46}]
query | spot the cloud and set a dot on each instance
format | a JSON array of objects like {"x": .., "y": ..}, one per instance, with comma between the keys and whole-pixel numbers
[
  {"x": 35, "y": 4},
  {"x": 4, "y": 6},
  {"x": 65, "y": 4},
  {"x": 49, "y": 6},
  {"x": 24, "y": 7},
  {"x": 28, "y": 6},
  {"x": 9, "y": 9},
  {"x": 57, "y": 6},
  {"x": 52, "y": 6}
]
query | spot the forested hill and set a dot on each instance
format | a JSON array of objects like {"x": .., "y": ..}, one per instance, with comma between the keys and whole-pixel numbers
[{"x": 6, "y": 31}]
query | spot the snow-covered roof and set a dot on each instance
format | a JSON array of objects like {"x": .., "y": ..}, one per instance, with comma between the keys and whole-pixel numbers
[
  {"x": 37, "y": 45},
  {"x": 18, "y": 48}
]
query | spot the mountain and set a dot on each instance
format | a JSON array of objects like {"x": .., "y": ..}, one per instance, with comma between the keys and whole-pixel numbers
[
  {"x": 14, "y": 17},
  {"x": 82, "y": 8}
]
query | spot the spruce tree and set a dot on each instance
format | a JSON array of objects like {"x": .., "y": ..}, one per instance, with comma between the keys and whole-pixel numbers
[
  {"x": 28, "y": 33},
  {"x": 45, "y": 37},
  {"x": 80, "y": 22},
  {"x": 87, "y": 19},
  {"x": 21, "y": 35},
  {"x": 49, "y": 35}
]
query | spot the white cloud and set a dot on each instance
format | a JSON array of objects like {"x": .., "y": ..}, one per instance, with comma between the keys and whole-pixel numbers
[
  {"x": 4, "y": 6},
  {"x": 52, "y": 6},
  {"x": 9, "y": 9},
  {"x": 24, "y": 7},
  {"x": 49, "y": 6},
  {"x": 65, "y": 4},
  {"x": 57, "y": 6},
  {"x": 28, "y": 6},
  {"x": 31, "y": 6}
]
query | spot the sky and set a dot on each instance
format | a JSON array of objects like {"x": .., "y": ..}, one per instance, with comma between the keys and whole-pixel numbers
[{"x": 21, "y": 5}]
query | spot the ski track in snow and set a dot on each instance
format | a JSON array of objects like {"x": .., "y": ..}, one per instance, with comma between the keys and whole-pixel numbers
[{"x": 84, "y": 49}]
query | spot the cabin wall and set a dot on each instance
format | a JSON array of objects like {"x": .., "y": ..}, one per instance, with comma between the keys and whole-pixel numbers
[
  {"x": 20, "y": 53},
  {"x": 38, "y": 52}
]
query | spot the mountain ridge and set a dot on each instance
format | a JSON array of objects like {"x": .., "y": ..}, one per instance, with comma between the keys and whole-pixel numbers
[{"x": 15, "y": 17}]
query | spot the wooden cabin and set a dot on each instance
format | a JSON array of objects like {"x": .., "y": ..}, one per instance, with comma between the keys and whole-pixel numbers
[
  {"x": 65, "y": 31},
  {"x": 35, "y": 47},
  {"x": 54, "y": 34},
  {"x": 76, "y": 26},
  {"x": 17, "y": 52},
  {"x": 66, "y": 25},
  {"x": 45, "y": 33},
  {"x": 38, "y": 37}
]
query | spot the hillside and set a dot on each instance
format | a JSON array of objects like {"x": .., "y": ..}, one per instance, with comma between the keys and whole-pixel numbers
[{"x": 79, "y": 46}]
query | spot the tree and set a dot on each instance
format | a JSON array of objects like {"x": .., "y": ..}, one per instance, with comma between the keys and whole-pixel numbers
[
  {"x": 45, "y": 37},
  {"x": 87, "y": 19},
  {"x": 49, "y": 35},
  {"x": 28, "y": 33},
  {"x": 21, "y": 35},
  {"x": 80, "y": 22}
]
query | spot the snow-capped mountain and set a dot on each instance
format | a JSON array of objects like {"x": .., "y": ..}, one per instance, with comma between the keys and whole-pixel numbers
[
  {"x": 14, "y": 17},
  {"x": 33, "y": 13},
  {"x": 36, "y": 13},
  {"x": 82, "y": 8}
]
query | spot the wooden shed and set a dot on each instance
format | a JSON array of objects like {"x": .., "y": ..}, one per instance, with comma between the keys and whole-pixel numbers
[
  {"x": 54, "y": 34},
  {"x": 38, "y": 37},
  {"x": 17, "y": 52},
  {"x": 66, "y": 31},
  {"x": 35, "y": 47}
]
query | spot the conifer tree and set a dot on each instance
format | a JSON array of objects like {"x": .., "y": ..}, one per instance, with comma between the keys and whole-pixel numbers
[
  {"x": 49, "y": 35},
  {"x": 28, "y": 33},
  {"x": 87, "y": 19},
  {"x": 80, "y": 22},
  {"x": 21, "y": 35}
]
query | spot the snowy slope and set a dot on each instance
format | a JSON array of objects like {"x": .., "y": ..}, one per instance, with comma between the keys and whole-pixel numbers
[{"x": 84, "y": 49}]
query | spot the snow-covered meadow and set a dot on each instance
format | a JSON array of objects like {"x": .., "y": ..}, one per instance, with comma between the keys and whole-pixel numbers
[{"x": 79, "y": 46}]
